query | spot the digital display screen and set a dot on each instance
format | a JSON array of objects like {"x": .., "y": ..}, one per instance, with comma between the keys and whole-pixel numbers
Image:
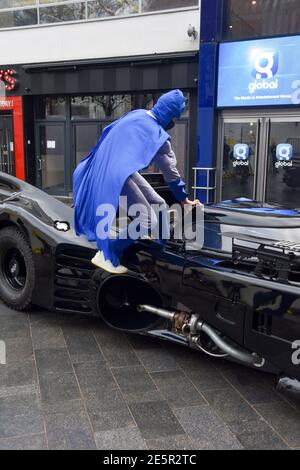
[{"x": 264, "y": 72}]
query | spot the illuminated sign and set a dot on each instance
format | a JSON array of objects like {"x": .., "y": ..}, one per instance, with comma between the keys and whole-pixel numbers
[
  {"x": 241, "y": 154},
  {"x": 284, "y": 155},
  {"x": 7, "y": 76},
  {"x": 262, "y": 72}
]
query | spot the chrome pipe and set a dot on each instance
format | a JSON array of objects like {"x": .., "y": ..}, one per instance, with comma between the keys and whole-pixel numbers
[
  {"x": 157, "y": 311},
  {"x": 241, "y": 356}
]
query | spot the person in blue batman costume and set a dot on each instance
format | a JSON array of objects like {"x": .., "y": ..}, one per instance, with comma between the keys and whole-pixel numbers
[{"x": 127, "y": 146}]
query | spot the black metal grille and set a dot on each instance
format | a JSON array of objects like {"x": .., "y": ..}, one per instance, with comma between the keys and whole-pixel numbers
[
  {"x": 263, "y": 323},
  {"x": 73, "y": 273}
]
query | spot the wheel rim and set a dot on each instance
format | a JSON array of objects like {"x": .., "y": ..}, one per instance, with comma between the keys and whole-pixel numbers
[{"x": 14, "y": 268}]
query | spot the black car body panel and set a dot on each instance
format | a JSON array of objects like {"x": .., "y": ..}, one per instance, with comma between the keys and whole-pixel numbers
[{"x": 241, "y": 282}]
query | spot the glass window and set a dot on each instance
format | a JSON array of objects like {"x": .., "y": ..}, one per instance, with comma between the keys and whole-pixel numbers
[
  {"x": 51, "y": 107},
  {"x": 250, "y": 19},
  {"x": 99, "y": 8},
  {"x": 283, "y": 173},
  {"x": 59, "y": 13},
  {"x": 156, "y": 5},
  {"x": 16, "y": 3},
  {"x": 10, "y": 19},
  {"x": 104, "y": 108},
  {"x": 239, "y": 159}
]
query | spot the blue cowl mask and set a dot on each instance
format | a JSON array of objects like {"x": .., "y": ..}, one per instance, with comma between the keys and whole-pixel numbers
[{"x": 169, "y": 106}]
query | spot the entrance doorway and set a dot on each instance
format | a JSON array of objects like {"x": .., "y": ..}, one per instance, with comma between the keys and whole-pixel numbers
[
  {"x": 259, "y": 157},
  {"x": 7, "y": 154}
]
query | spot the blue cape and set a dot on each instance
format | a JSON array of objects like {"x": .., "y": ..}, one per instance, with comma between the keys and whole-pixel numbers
[{"x": 126, "y": 146}]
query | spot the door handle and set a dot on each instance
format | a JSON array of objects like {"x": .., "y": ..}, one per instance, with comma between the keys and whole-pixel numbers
[{"x": 40, "y": 162}]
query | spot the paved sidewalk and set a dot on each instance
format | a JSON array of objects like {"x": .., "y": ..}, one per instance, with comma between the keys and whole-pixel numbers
[{"x": 73, "y": 383}]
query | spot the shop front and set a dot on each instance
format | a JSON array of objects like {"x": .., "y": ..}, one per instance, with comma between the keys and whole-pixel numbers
[
  {"x": 67, "y": 105},
  {"x": 259, "y": 121},
  {"x": 11, "y": 136},
  {"x": 249, "y": 101}
]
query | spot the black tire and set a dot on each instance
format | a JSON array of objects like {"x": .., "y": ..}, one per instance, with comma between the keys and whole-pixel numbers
[{"x": 17, "y": 271}]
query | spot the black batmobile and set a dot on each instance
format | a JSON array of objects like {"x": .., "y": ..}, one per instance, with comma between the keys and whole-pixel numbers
[{"x": 237, "y": 296}]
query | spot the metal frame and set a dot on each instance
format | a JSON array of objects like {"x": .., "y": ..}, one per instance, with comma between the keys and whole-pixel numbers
[
  {"x": 264, "y": 119},
  {"x": 206, "y": 188},
  {"x": 39, "y": 176}
]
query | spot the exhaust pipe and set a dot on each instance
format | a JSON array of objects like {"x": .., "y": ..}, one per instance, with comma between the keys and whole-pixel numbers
[
  {"x": 157, "y": 311},
  {"x": 194, "y": 326}
]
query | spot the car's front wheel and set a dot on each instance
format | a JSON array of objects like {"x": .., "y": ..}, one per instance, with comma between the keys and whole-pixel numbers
[{"x": 17, "y": 273}]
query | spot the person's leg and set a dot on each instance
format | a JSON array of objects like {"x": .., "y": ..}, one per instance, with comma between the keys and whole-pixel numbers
[
  {"x": 146, "y": 216},
  {"x": 158, "y": 204}
]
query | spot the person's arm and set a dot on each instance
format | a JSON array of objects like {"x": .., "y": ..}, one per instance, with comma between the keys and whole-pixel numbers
[{"x": 166, "y": 161}]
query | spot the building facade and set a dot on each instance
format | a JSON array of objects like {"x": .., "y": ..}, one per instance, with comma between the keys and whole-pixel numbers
[
  {"x": 72, "y": 67},
  {"x": 249, "y": 101}
]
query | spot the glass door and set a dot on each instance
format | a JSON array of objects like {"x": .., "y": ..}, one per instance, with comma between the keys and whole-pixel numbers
[
  {"x": 51, "y": 158},
  {"x": 240, "y": 144},
  {"x": 283, "y": 162}
]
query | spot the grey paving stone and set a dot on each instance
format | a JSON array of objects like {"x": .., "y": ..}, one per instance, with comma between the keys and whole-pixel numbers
[
  {"x": 104, "y": 400},
  {"x": 284, "y": 419},
  {"x": 108, "y": 410},
  {"x": 18, "y": 349},
  {"x": 117, "y": 350},
  {"x": 82, "y": 346},
  {"x": 128, "y": 438},
  {"x": 18, "y": 390},
  {"x": 53, "y": 361},
  {"x": 37, "y": 442},
  {"x": 108, "y": 420},
  {"x": 48, "y": 338},
  {"x": 155, "y": 419},
  {"x": 69, "y": 432},
  {"x": 95, "y": 376},
  {"x": 140, "y": 342},
  {"x": 230, "y": 405},
  {"x": 13, "y": 324},
  {"x": 190, "y": 359},
  {"x": 143, "y": 397},
  {"x": 255, "y": 386},
  {"x": 203, "y": 425},
  {"x": 21, "y": 425},
  {"x": 20, "y": 405},
  {"x": 181, "y": 442},
  {"x": 206, "y": 376},
  {"x": 157, "y": 359},
  {"x": 18, "y": 374},
  {"x": 262, "y": 441},
  {"x": 133, "y": 380},
  {"x": 257, "y": 435},
  {"x": 60, "y": 393},
  {"x": 177, "y": 388}
]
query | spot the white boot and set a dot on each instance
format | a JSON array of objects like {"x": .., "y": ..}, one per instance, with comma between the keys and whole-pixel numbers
[{"x": 102, "y": 263}]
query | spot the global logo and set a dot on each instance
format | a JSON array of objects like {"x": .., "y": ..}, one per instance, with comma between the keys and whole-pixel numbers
[
  {"x": 284, "y": 155},
  {"x": 265, "y": 66},
  {"x": 241, "y": 153}
]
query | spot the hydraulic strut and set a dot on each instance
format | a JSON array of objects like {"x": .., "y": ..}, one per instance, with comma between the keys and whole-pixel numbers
[{"x": 192, "y": 326}]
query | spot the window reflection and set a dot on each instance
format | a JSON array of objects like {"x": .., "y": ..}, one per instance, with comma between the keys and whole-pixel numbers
[
  {"x": 106, "y": 107},
  {"x": 56, "y": 14},
  {"x": 67, "y": 10},
  {"x": 99, "y": 8},
  {"x": 16, "y": 3},
  {"x": 10, "y": 19},
  {"x": 261, "y": 18},
  {"x": 156, "y": 5},
  {"x": 51, "y": 107},
  {"x": 283, "y": 179}
]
